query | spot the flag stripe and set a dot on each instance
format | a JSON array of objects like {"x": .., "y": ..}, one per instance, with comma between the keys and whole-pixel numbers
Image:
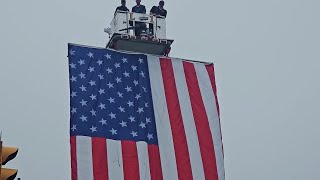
[
  {"x": 155, "y": 163},
  {"x": 142, "y": 149},
  {"x": 130, "y": 160},
  {"x": 84, "y": 158},
  {"x": 99, "y": 156},
  {"x": 188, "y": 121},
  {"x": 210, "y": 70},
  {"x": 212, "y": 112},
  {"x": 115, "y": 162},
  {"x": 166, "y": 148},
  {"x": 175, "y": 117},
  {"x": 211, "y": 73},
  {"x": 73, "y": 145},
  {"x": 202, "y": 124}
]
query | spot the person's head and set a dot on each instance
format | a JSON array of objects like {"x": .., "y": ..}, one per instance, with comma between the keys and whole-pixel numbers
[
  {"x": 161, "y": 4},
  {"x": 138, "y": 2},
  {"x": 123, "y": 2}
]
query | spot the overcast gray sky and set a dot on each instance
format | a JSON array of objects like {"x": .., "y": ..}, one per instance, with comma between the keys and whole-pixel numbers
[{"x": 267, "y": 58}]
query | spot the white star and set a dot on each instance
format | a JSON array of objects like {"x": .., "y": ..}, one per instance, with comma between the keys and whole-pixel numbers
[
  {"x": 103, "y": 121},
  {"x": 108, "y": 56},
  {"x": 83, "y": 102},
  {"x": 93, "y": 112},
  {"x": 74, "y": 110},
  {"x": 81, "y": 62},
  {"x": 124, "y": 60},
  {"x": 93, "y": 129},
  {"x": 146, "y": 105},
  {"x": 144, "y": 89},
  {"x": 142, "y": 74},
  {"x": 113, "y": 116},
  {"x": 123, "y": 124},
  {"x": 72, "y": 52},
  {"x": 134, "y": 134},
  {"x": 74, "y": 127},
  {"x": 109, "y": 70},
  {"x": 128, "y": 89},
  {"x": 83, "y": 88},
  {"x": 117, "y": 65},
  {"x": 111, "y": 100},
  {"x": 120, "y": 94},
  {"x": 118, "y": 80},
  {"x": 73, "y": 66},
  {"x": 126, "y": 74},
  {"x": 140, "y": 60},
  {"x": 73, "y": 79},
  {"x": 101, "y": 91},
  {"x": 135, "y": 82},
  {"x": 121, "y": 109},
  {"x": 91, "y": 69},
  {"x": 99, "y": 62},
  {"x": 134, "y": 68},
  {"x": 90, "y": 54},
  {"x": 73, "y": 94},
  {"x": 140, "y": 110},
  {"x": 110, "y": 85},
  {"x": 83, "y": 118},
  {"x": 93, "y": 97},
  {"x": 100, "y": 76},
  {"x": 132, "y": 119},
  {"x": 82, "y": 75},
  {"x": 150, "y": 136},
  {"x": 102, "y": 106},
  {"x": 138, "y": 96},
  {"x": 130, "y": 103},
  {"x": 148, "y": 120},
  {"x": 142, "y": 125},
  {"x": 92, "y": 83},
  {"x": 113, "y": 131}
]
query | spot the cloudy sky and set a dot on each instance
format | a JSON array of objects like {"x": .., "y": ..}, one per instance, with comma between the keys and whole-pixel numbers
[{"x": 267, "y": 58}]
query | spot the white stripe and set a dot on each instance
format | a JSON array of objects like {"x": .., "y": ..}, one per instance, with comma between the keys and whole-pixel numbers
[
  {"x": 188, "y": 120},
  {"x": 212, "y": 112},
  {"x": 115, "y": 163},
  {"x": 84, "y": 158},
  {"x": 143, "y": 157},
  {"x": 166, "y": 148}
]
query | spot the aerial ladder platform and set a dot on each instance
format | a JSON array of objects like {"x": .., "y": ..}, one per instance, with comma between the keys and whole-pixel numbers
[{"x": 124, "y": 29}]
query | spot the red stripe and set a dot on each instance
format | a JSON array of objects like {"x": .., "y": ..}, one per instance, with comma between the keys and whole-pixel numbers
[
  {"x": 73, "y": 147},
  {"x": 99, "y": 159},
  {"x": 202, "y": 123},
  {"x": 155, "y": 163},
  {"x": 210, "y": 69},
  {"x": 177, "y": 128},
  {"x": 130, "y": 160}
]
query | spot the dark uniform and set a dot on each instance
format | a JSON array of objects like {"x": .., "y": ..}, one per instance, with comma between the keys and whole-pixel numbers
[
  {"x": 157, "y": 11},
  {"x": 139, "y": 9},
  {"x": 121, "y": 8},
  {"x": 142, "y": 26}
]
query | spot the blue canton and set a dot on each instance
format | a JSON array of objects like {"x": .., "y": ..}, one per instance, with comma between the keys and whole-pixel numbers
[{"x": 110, "y": 95}]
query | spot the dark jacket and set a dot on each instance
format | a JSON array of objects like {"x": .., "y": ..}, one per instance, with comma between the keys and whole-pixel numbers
[
  {"x": 139, "y": 9},
  {"x": 157, "y": 11}
]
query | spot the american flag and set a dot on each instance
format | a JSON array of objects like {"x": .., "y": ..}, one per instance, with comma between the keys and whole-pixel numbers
[{"x": 137, "y": 116}]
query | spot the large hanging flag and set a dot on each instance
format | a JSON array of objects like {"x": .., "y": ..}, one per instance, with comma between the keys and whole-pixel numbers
[{"x": 136, "y": 116}]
